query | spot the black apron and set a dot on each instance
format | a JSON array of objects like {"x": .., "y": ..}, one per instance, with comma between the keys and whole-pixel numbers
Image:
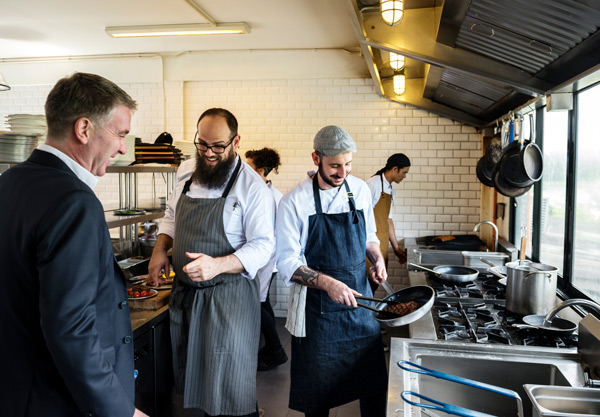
[
  {"x": 215, "y": 324},
  {"x": 341, "y": 359}
]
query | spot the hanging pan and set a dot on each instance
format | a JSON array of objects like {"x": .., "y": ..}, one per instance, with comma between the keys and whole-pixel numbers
[{"x": 451, "y": 273}]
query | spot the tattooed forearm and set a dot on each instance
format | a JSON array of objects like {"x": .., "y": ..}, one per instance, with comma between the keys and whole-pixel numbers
[{"x": 306, "y": 276}]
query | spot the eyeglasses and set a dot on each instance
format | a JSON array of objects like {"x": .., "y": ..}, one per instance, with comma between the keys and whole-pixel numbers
[{"x": 203, "y": 147}]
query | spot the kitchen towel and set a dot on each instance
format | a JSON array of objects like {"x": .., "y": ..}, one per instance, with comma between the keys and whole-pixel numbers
[{"x": 297, "y": 311}]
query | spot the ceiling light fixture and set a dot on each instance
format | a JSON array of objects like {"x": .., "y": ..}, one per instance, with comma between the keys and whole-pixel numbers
[
  {"x": 3, "y": 84},
  {"x": 396, "y": 61},
  {"x": 392, "y": 11},
  {"x": 177, "y": 30},
  {"x": 399, "y": 84}
]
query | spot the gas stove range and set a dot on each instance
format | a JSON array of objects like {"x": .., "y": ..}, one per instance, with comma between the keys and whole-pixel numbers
[{"x": 476, "y": 312}]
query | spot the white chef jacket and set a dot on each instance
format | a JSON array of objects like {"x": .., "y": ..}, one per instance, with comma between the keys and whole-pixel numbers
[
  {"x": 374, "y": 184},
  {"x": 266, "y": 272},
  {"x": 295, "y": 208},
  {"x": 248, "y": 216}
]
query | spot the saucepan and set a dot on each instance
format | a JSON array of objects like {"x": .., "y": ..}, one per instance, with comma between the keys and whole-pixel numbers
[
  {"x": 449, "y": 408},
  {"x": 423, "y": 295},
  {"x": 452, "y": 273}
]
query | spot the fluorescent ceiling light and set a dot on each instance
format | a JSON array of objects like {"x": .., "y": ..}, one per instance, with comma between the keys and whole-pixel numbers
[{"x": 177, "y": 30}]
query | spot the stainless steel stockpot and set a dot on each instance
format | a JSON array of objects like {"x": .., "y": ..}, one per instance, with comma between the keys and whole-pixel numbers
[{"x": 530, "y": 287}]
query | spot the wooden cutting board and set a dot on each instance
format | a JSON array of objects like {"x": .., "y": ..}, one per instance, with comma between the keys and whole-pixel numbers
[{"x": 153, "y": 303}]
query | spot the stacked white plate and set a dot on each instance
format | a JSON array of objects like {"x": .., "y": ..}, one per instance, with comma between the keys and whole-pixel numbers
[
  {"x": 188, "y": 149},
  {"x": 16, "y": 147},
  {"x": 28, "y": 124}
]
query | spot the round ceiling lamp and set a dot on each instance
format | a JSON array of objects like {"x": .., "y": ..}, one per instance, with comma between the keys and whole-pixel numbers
[
  {"x": 396, "y": 61},
  {"x": 399, "y": 84},
  {"x": 392, "y": 11}
]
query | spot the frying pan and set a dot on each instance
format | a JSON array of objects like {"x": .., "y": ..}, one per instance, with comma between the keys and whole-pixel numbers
[
  {"x": 452, "y": 273},
  {"x": 558, "y": 327},
  {"x": 421, "y": 294}
]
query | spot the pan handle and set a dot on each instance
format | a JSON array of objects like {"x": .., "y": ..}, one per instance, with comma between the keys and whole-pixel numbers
[
  {"x": 413, "y": 367},
  {"x": 487, "y": 262},
  {"x": 441, "y": 406},
  {"x": 387, "y": 287},
  {"x": 422, "y": 267}
]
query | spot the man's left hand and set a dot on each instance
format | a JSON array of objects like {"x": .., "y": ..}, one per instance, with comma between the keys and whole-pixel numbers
[
  {"x": 377, "y": 273},
  {"x": 202, "y": 268}
]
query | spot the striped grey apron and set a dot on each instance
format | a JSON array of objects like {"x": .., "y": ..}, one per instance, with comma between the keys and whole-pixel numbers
[{"x": 215, "y": 324}]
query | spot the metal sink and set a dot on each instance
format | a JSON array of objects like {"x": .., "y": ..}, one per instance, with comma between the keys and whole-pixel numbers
[
  {"x": 434, "y": 257},
  {"x": 505, "y": 366}
]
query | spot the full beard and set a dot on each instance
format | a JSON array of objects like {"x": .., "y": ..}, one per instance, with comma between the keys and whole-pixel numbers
[{"x": 212, "y": 176}]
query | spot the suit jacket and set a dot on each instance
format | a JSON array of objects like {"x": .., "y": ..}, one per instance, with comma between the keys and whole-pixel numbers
[{"x": 66, "y": 344}]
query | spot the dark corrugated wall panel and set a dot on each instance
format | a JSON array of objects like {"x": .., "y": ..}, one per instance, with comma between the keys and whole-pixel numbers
[{"x": 527, "y": 34}]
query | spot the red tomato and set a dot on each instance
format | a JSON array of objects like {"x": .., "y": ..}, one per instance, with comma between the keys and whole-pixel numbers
[
  {"x": 144, "y": 294},
  {"x": 129, "y": 291},
  {"x": 136, "y": 294}
]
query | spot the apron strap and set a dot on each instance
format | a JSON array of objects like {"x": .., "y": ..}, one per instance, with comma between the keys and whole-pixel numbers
[
  {"x": 317, "y": 197},
  {"x": 186, "y": 187},
  {"x": 351, "y": 202},
  {"x": 233, "y": 178},
  {"x": 315, "y": 184}
]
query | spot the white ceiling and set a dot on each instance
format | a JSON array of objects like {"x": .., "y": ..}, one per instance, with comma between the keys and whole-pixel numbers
[{"x": 62, "y": 28}]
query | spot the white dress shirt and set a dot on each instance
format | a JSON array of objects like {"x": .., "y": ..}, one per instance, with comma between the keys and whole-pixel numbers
[
  {"x": 248, "y": 216},
  {"x": 266, "y": 272},
  {"x": 295, "y": 208},
  {"x": 374, "y": 184},
  {"x": 83, "y": 174}
]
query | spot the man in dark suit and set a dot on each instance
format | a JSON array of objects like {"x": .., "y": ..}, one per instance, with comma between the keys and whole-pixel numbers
[{"x": 66, "y": 344}]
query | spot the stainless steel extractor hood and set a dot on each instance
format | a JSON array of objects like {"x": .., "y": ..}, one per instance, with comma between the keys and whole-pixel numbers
[{"x": 475, "y": 61}]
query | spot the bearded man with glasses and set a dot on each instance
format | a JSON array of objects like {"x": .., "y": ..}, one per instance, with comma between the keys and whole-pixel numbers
[{"x": 220, "y": 224}]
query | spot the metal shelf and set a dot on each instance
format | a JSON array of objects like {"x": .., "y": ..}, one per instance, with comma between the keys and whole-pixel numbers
[
  {"x": 128, "y": 199},
  {"x": 112, "y": 220}
]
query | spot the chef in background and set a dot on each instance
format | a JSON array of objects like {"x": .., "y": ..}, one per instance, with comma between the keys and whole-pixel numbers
[
  {"x": 220, "y": 224},
  {"x": 271, "y": 355},
  {"x": 325, "y": 226},
  {"x": 382, "y": 194},
  {"x": 66, "y": 341}
]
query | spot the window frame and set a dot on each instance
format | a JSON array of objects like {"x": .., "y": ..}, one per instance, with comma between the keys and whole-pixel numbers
[{"x": 565, "y": 285}]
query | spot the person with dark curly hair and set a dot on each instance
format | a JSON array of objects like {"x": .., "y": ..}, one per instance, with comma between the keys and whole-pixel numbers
[{"x": 271, "y": 355}]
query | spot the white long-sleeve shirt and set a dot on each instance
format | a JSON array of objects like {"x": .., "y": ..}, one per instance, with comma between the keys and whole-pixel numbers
[
  {"x": 374, "y": 184},
  {"x": 295, "y": 208},
  {"x": 248, "y": 216}
]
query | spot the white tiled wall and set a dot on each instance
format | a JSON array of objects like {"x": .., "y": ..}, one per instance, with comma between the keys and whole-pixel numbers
[{"x": 440, "y": 195}]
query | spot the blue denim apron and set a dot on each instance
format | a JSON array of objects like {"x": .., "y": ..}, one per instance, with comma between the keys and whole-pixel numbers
[{"x": 341, "y": 359}]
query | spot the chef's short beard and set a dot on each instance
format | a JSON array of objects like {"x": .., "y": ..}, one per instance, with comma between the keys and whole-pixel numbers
[
  {"x": 326, "y": 178},
  {"x": 212, "y": 176}
]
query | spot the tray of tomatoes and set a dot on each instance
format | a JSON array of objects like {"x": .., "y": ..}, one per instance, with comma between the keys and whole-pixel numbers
[{"x": 140, "y": 293}]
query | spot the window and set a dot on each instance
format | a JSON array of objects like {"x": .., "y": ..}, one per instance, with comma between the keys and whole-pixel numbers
[
  {"x": 554, "y": 189},
  {"x": 586, "y": 257}
]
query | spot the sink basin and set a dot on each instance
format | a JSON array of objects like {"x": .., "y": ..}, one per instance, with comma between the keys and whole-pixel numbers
[
  {"x": 505, "y": 366},
  {"x": 549, "y": 401},
  {"x": 434, "y": 257}
]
